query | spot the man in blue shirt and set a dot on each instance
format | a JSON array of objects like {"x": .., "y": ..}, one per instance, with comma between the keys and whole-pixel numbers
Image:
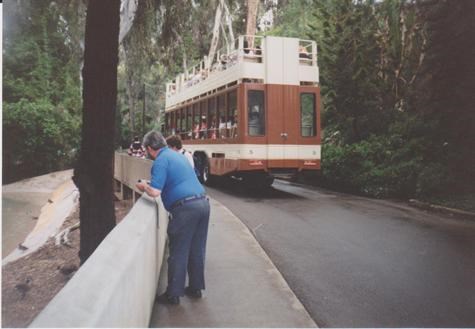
[{"x": 184, "y": 198}]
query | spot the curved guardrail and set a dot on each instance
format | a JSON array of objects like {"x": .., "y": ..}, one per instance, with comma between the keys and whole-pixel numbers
[{"x": 116, "y": 286}]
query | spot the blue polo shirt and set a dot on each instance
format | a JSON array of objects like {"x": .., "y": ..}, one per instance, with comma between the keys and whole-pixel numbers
[{"x": 173, "y": 175}]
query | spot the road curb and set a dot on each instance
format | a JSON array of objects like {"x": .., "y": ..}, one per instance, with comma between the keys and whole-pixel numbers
[{"x": 441, "y": 209}]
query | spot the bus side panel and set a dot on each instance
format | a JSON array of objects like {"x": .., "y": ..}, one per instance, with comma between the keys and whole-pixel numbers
[{"x": 223, "y": 166}]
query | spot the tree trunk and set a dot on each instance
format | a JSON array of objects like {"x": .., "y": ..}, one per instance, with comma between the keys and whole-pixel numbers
[
  {"x": 130, "y": 96},
  {"x": 215, "y": 39},
  {"x": 93, "y": 174},
  {"x": 252, "y": 6}
]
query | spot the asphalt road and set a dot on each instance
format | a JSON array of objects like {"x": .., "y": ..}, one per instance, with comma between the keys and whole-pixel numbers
[{"x": 358, "y": 262}]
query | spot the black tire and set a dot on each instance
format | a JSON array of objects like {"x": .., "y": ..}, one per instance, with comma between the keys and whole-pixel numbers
[{"x": 205, "y": 177}]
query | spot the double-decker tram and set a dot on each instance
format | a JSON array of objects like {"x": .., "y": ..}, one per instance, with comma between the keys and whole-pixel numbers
[{"x": 252, "y": 112}]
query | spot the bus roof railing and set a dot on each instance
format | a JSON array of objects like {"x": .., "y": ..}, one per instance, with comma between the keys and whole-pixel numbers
[{"x": 245, "y": 48}]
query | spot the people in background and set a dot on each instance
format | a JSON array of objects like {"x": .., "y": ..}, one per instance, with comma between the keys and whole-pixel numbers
[
  {"x": 303, "y": 53},
  {"x": 222, "y": 127},
  {"x": 196, "y": 130},
  {"x": 185, "y": 199},
  {"x": 212, "y": 129},
  {"x": 174, "y": 142},
  {"x": 203, "y": 127},
  {"x": 136, "y": 149}
]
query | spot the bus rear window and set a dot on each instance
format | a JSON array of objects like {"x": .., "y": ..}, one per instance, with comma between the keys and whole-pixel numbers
[
  {"x": 307, "y": 115},
  {"x": 256, "y": 113}
]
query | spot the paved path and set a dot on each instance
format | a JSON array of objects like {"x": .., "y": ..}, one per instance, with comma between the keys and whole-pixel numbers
[
  {"x": 244, "y": 288},
  {"x": 360, "y": 262}
]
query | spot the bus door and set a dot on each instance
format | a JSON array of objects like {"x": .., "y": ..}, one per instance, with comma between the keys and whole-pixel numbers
[{"x": 282, "y": 122}]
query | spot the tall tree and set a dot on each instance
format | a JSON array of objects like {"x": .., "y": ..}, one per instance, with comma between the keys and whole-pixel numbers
[
  {"x": 252, "y": 7},
  {"x": 93, "y": 174},
  {"x": 41, "y": 86},
  {"x": 445, "y": 94}
]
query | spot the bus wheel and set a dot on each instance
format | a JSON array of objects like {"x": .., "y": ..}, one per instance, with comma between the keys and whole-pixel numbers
[{"x": 205, "y": 176}]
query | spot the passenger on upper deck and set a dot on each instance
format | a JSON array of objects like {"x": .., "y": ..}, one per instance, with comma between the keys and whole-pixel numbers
[{"x": 303, "y": 53}]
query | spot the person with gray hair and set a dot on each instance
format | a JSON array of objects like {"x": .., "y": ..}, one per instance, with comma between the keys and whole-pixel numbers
[{"x": 184, "y": 198}]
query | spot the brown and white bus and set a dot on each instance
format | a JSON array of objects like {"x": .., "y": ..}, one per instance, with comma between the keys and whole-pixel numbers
[{"x": 251, "y": 113}]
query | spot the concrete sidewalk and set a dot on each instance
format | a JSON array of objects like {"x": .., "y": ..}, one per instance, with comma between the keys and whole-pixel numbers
[{"x": 244, "y": 288}]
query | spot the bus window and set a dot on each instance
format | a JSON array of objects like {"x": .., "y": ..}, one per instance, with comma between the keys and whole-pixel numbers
[
  {"x": 203, "y": 124},
  {"x": 173, "y": 123},
  {"x": 307, "y": 115},
  {"x": 256, "y": 113},
  {"x": 177, "y": 122},
  {"x": 196, "y": 121},
  {"x": 232, "y": 114},
  {"x": 189, "y": 121},
  {"x": 167, "y": 124},
  {"x": 222, "y": 115},
  {"x": 212, "y": 118},
  {"x": 182, "y": 122}
]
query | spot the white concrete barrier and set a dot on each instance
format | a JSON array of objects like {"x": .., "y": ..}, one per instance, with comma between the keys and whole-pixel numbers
[{"x": 116, "y": 286}]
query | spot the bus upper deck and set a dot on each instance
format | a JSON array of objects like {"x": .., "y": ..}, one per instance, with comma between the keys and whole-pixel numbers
[{"x": 266, "y": 60}]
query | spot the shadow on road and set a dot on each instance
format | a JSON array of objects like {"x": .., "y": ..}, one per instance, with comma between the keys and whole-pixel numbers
[{"x": 250, "y": 193}]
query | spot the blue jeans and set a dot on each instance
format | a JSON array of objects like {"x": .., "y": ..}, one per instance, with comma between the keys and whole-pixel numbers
[{"x": 187, "y": 234}]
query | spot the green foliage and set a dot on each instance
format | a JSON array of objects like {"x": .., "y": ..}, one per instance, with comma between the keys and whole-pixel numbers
[
  {"x": 372, "y": 167},
  {"x": 294, "y": 19},
  {"x": 397, "y": 109},
  {"x": 39, "y": 137},
  {"x": 41, "y": 96}
]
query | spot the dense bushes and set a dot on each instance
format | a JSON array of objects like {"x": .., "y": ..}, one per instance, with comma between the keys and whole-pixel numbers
[
  {"x": 397, "y": 100},
  {"x": 40, "y": 138},
  {"x": 407, "y": 161}
]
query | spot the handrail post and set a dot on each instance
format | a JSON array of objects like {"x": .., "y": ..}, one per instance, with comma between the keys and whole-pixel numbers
[
  {"x": 240, "y": 48},
  {"x": 314, "y": 53}
]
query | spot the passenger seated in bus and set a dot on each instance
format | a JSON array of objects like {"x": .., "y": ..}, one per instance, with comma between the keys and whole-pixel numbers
[
  {"x": 203, "y": 127},
  {"x": 234, "y": 127},
  {"x": 222, "y": 128},
  {"x": 196, "y": 131},
  {"x": 229, "y": 125},
  {"x": 212, "y": 130}
]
